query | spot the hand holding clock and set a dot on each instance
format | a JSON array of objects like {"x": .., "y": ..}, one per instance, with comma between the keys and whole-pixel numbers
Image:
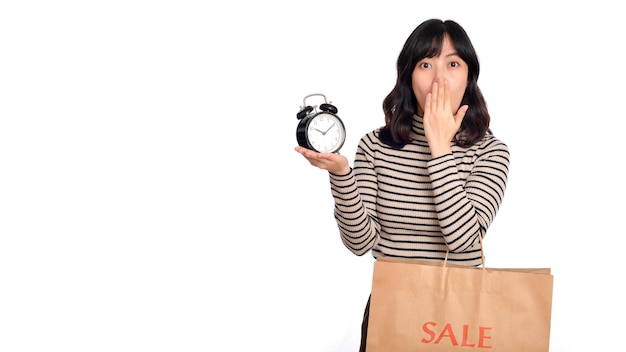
[{"x": 332, "y": 162}]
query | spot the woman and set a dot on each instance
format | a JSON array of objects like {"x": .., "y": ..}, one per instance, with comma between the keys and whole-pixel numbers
[{"x": 431, "y": 180}]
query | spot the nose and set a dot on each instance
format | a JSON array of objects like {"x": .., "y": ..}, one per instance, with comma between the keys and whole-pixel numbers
[{"x": 440, "y": 73}]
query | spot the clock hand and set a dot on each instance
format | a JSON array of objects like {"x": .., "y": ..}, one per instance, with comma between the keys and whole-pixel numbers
[
  {"x": 331, "y": 126},
  {"x": 323, "y": 133}
]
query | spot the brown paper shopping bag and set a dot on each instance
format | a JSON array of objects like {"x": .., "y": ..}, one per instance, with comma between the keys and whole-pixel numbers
[{"x": 429, "y": 306}]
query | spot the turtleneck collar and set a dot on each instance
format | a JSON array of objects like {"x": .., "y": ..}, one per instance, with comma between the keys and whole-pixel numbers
[{"x": 417, "y": 129}]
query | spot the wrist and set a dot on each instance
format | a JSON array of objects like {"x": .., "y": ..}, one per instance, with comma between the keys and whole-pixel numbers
[
  {"x": 341, "y": 172},
  {"x": 440, "y": 150}
]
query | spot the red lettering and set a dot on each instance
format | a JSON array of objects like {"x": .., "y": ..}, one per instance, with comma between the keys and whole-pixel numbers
[
  {"x": 428, "y": 331},
  {"x": 464, "y": 343},
  {"x": 483, "y": 336},
  {"x": 447, "y": 332}
]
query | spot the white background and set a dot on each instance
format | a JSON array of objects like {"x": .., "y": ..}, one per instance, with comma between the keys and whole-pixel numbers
[{"x": 151, "y": 199}]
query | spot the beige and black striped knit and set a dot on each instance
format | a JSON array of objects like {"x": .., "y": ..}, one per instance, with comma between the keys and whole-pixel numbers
[{"x": 403, "y": 203}]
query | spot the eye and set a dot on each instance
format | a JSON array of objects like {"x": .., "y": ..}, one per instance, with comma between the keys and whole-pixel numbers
[
  {"x": 424, "y": 65},
  {"x": 455, "y": 64}
]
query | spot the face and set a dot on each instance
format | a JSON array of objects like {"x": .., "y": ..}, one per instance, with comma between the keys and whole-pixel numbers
[{"x": 449, "y": 67}]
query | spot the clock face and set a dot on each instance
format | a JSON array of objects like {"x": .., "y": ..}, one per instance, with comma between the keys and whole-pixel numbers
[{"x": 326, "y": 133}]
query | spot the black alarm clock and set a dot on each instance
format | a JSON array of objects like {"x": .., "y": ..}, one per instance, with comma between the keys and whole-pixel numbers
[{"x": 320, "y": 129}]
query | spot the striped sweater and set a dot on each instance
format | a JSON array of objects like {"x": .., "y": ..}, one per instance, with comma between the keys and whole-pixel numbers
[{"x": 404, "y": 203}]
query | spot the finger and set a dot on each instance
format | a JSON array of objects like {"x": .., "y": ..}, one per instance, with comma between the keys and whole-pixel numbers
[
  {"x": 460, "y": 114},
  {"x": 307, "y": 153},
  {"x": 429, "y": 98},
  {"x": 435, "y": 93},
  {"x": 445, "y": 100}
]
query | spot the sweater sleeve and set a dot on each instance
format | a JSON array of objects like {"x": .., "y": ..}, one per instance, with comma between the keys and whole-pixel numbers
[
  {"x": 465, "y": 209},
  {"x": 355, "y": 199}
]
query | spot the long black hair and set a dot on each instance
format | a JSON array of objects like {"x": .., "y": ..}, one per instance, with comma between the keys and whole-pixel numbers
[{"x": 400, "y": 105}]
